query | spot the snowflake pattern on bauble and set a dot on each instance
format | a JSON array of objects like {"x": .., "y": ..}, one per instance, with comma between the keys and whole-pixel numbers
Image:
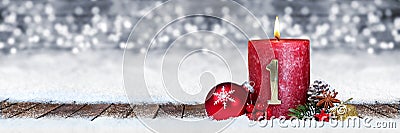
[{"x": 224, "y": 97}]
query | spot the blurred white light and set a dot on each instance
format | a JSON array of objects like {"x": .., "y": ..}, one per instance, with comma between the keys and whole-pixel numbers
[
  {"x": 288, "y": 10},
  {"x": 27, "y": 19},
  {"x": 51, "y": 17},
  {"x": 17, "y": 32},
  {"x": 60, "y": 41},
  {"x": 79, "y": 38},
  {"x": 378, "y": 2},
  {"x": 127, "y": 24},
  {"x": 95, "y": 41},
  {"x": 37, "y": 18},
  {"x": 69, "y": 18},
  {"x": 383, "y": 45},
  {"x": 396, "y": 22},
  {"x": 335, "y": 9},
  {"x": 372, "y": 18},
  {"x": 121, "y": 45},
  {"x": 337, "y": 33},
  {"x": 313, "y": 18},
  {"x": 142, "y": 50},
  {"x": 102, "y": 26},
  {"x": 5, "y": 2},
  {"x": 346, "y": 19},
  {"x": 75, "y": 50},
  {"x": 356, "y": 19},
  {"x": 11, "y": 41},
  {"x": 28, "y": 4},
  {"x": 332, "y": 17},
  {"x": 381, "y": 27},
  {"x": 95, "y": 10},
  {"x": 208, "y": 10},
  {"x": 355, "y": 4},
  {"x": 366, "y": 32},
  {"x": 48, "y": 9},
  {"x": 176, "y": 33},
  {"x": 391, "y": 45},
  {"x": 324, "y": 41},
  {"x": 178, "y": 10},
  {"x": 372, "y": 41},
  {"x": 46, "y": 32},
  {"x": 305, "y": 10},
  {"x": 225, "y": 10},
  {"x": 370, "y": 50},
  {"x": 78, "y": 10},
  {"x": 34, "y": 39},
  {"x": 1, "y": 45},
  {"x": 11, "y": 18},
  {"x": 388, "y": 13},
  {"x": 13, "y": 50}
]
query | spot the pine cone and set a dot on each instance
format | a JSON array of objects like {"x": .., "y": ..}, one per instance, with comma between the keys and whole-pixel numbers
[{"x": 316, "y": 89}]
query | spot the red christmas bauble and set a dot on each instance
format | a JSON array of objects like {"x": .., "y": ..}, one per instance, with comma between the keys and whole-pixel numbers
[{"x": 226, "y": 100}]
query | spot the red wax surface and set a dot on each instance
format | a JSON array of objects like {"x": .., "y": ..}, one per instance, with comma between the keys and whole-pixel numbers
[
  {"x": 293, "y": 57},
  {"x": 260, "y": 54}
]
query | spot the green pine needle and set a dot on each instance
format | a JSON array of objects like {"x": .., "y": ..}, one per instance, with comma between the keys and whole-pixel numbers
[{"x": 306, "y": 110}]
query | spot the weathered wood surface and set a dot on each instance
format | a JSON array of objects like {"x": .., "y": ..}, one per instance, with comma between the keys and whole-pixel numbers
[{"x": 123, "y": 111}]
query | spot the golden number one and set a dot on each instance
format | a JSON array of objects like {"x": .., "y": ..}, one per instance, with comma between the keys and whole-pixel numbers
[{"x": 273, "y": 78}]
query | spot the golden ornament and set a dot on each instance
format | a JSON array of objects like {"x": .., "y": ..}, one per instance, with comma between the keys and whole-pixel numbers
[{"x": 344, "y": 111}]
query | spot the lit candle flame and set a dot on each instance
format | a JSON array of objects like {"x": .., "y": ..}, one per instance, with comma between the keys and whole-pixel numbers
[{"x": 276, "y": 28}]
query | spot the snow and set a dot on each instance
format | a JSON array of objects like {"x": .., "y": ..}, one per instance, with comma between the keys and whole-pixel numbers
[
  {"x": 96, "y": 76},
  {"x": 105, "y": 125}
]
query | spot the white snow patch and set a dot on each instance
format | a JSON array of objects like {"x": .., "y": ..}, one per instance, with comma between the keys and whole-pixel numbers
[
  {"x": 92, "y": 77},
  {"x": 106, "y": 125}
]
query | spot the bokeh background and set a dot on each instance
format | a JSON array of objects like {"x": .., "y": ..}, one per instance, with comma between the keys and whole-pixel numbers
[
  {"x": 76, "y": 26},
  {"x": 75, "y": 47}
]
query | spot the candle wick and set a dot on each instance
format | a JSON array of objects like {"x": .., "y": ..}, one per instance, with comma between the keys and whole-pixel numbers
[{"x": 277, "y": 38}]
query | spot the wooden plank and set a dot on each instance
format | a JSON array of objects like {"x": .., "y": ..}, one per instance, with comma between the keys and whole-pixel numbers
[
  {"x": 65, "y": 110},
  {"x": 118, "y": 111},
  {"x": 195, "y": 111},
  {"x": 384, "y": 110},
  {"x": 90, "y": 111},
  {"x": 37, "y": 111},
  {"x": 170, "y": 110},
  {"x": 5, "y": 104},
  {"x": 365, "y": 111},
  {"x": 145, "y": 111},
  {"x": 17, "y": 109},
  {"x": 101, "y": 112},
  {"x": 395, "y": 106},
  {"x": 48, "y": 111}
]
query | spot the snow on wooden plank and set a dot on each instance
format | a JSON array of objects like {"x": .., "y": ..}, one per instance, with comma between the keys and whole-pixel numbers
[
  {"x": 49, "y": 111},
  {"x": 37, "y": 111},
  {"x": 65, "y": 110},
  {"x": 395, "y": 106},
  {"x": 5, "y": 104},
  {"x": 170, "y": 110},
  {"x": 384, "y": 110},
  {"x": 17, "y": 109},
  {"x": 90, "y": 111},
  {"x": 145, "y": 111},
  {"x": 118, "y": 111},
  {"x": 3, "y": 99},
  {"x": 195, "y": 111},
  {"x": 365, "y": 111}
]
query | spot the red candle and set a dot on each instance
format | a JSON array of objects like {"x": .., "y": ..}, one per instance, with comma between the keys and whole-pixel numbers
[{"x": 292, "y": 74}]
